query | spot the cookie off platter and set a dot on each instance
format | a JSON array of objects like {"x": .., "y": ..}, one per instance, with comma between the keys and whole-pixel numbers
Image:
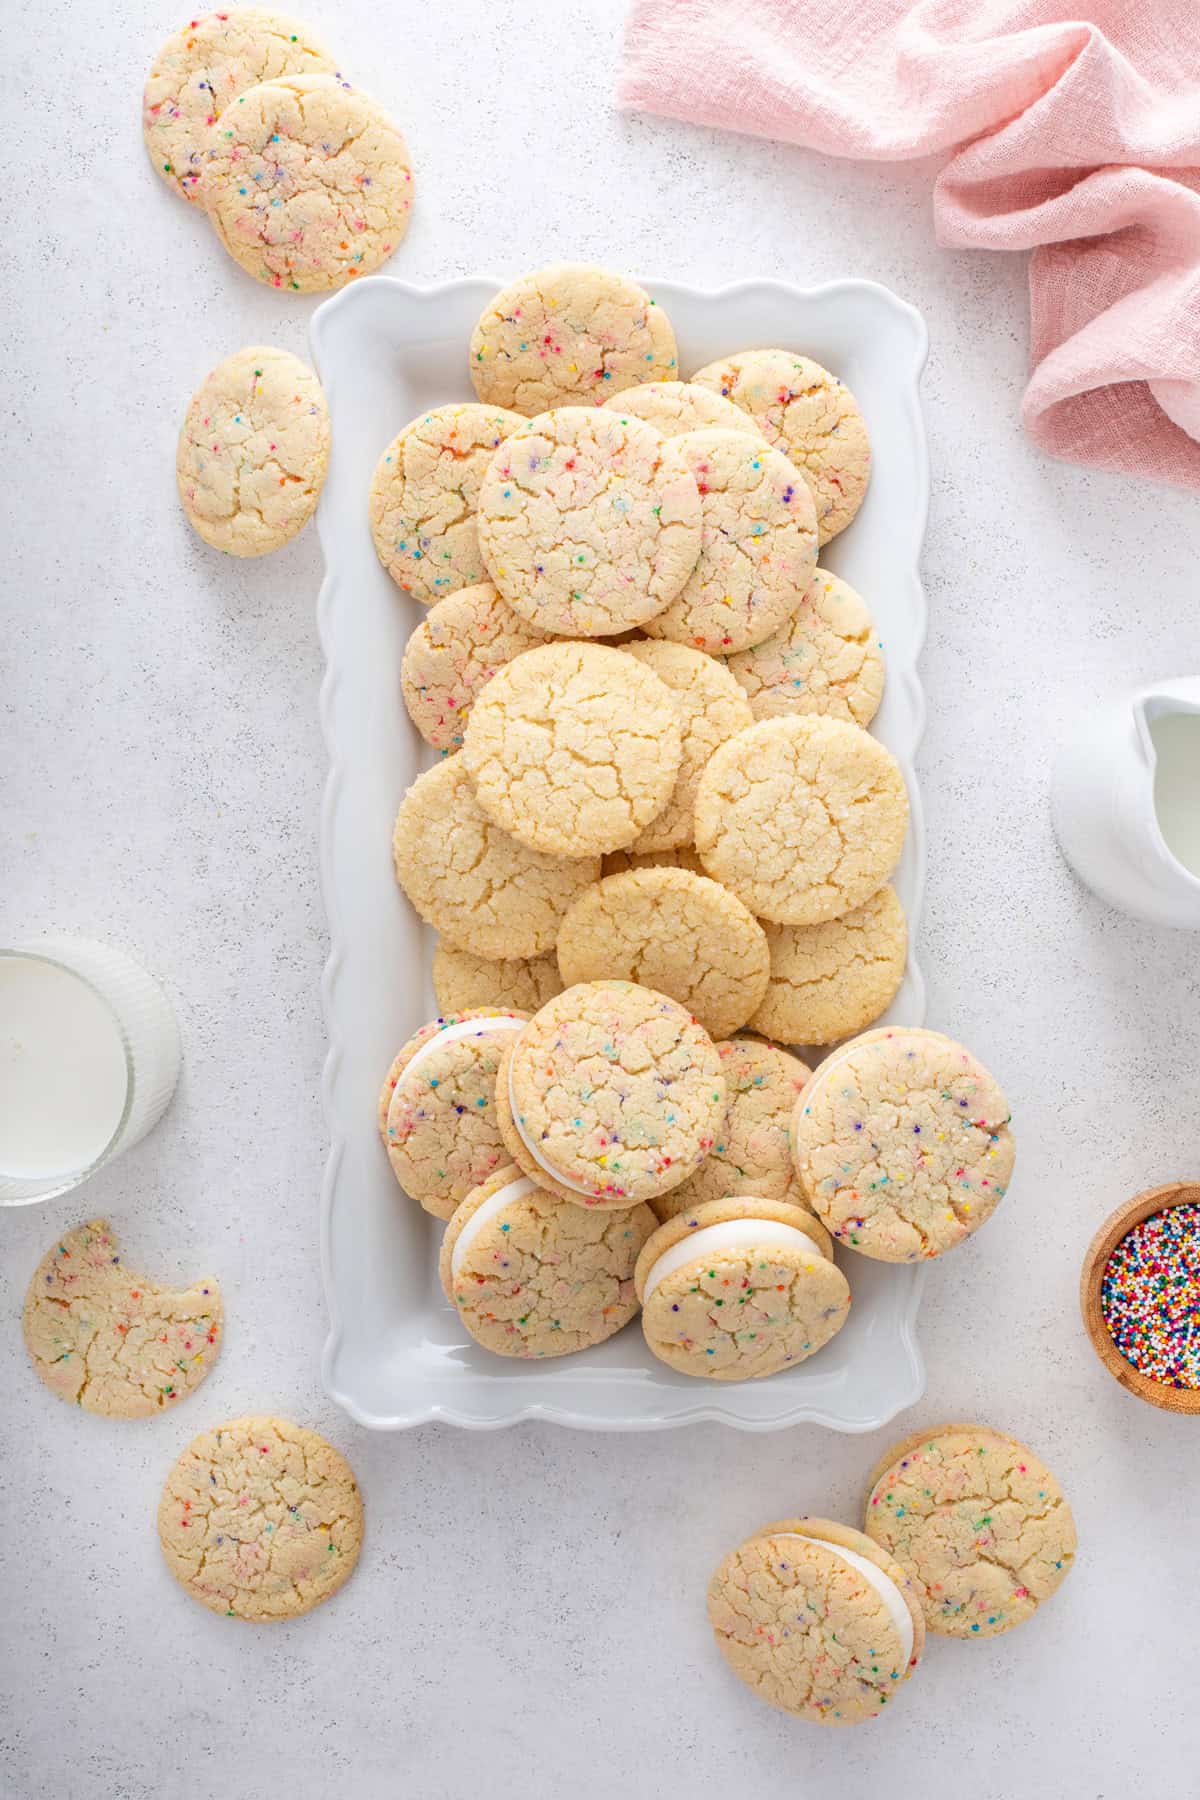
[{"x": 397, "y": 1353}]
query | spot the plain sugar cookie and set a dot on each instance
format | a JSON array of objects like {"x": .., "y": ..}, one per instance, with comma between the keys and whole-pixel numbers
[
  {"x": 758, "y": 544},
  {"x": 902, "y": 1144},
  {"x": 978, "y": 1522},
  {"x": 808, "y": 414},
  {"x": 710, "y": 709},
  {"x": 437, "y": 1106},
  {"x": 674, "y": 407},
  {"x": 205, "y": 67},
  {"x": 673, "y": 931},
  {"x": 453, "y": 654},
  {"x": 568, "y": 335},
  {"x": 817, "y": 1620},
  {"x": 307, "y": 183},
  {"x": 802, "y": 818},
  {"x": 423, "y": 497},
  {"x": 589, "y": 522},
  {"x": 611, "y": 1095},
  {"x": 573, "y": 748},
  {"x": 253, "y": 451},
  {"x": 833, "y": 979},
  {"x": 825, "y": 659},
  {"x": 531, "y": 1277},
  {"x": 106, "y": 1339},
  {"x": 740, "y": 1288},
  {"x": 752, "y": 1153},
  {"x": 260, "y": 1519},
  {"x": 618, "y": 861},
  {"x": 477, "y": 886},
  {"x": 516, "y": 984}
]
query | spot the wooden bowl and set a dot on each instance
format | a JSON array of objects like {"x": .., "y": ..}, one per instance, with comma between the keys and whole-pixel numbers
[{"x": 1114, "y": 1228}]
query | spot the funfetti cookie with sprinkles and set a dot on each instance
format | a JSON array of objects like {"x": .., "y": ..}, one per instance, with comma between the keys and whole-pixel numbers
[
  {"x": 453, "y": 654},
  {"x": 568, "y": 335},
  {"x": 978, "y": 1522},
  {"x": 611, "y": 1095},
  {"x": 902, "y": 1144},
  {"x": 437, "y": 1107},
  {"x": 533, "y": 1278}
]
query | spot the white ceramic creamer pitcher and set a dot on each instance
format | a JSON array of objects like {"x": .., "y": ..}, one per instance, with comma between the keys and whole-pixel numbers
[{"x": 1126, "y": 803}]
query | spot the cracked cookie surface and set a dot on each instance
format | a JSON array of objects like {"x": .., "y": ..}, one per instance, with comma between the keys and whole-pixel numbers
[
  {"x": 424, "y": 493},
  {"x": 979, "y": 1523},
  {"x": 477, "y": 886},
  {"x": 803, "y": 819},
  {"x": 825, "y": 659},
  {"x": 589, "y": 523},
  {"x": 203, "y": 68},
  {"x": 758, "y": 546},
  {"x": 260, "y": 1519},
  {"x": 461, "y": 980},
  {"x": 108, "y": 1340},
  {"x": 538, "y": 1278},
  {"x": 252, "y": 454},
  {"x": 307, "y": 183},
  {"x": 674, "y": 407},
  {"x": 573, "y": 748},
  {"x": 710, "y": 708},
  {"x": 752, "y": 1153},
  {"x": 832, "y": 979},
  {"x": 805, "y": 1630},
  {"x": 453, "y": 654},
  {"x": 808, "y": 414},
  {"x": 569, "y": 334},
  {"x": 678, "y": 933},
  {"x": 611, "y": 1095},
  {"x": 902, "y": 1145}
]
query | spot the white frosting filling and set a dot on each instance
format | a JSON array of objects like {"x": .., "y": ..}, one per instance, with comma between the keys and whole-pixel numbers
[
  {"x": 576, "y": 1187},
  {"x": 883, "y": 1584},
  {"x": 512, "y": 1190},
  {"x": 450, "y": 1034},
  {"x": 730, "y": 1234}
]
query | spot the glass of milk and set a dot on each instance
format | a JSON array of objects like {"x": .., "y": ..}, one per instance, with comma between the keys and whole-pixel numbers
[{"x": 89, "y": 1058}]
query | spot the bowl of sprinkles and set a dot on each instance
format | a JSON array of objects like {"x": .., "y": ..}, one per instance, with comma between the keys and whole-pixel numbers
[{"x": 1140, "y": 1293}]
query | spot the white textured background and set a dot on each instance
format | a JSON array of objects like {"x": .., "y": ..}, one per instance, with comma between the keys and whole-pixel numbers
[{"x": 527, "y": 1619}]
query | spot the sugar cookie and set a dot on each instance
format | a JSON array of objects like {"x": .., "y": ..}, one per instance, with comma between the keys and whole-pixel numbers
[
  {"x": 825, "y": 659},
  {"x": 589, "y": 523},
  {"x": 437, "y": 1106},
  {"x": 205, "y": 67},
  {"x": 817, "y": 1620},
  {"x": 977, "y": 1521},
  {"x": 424, "y": 493},
  {"x": 752, "y": 1154},
  {"x": 307, "y": 183},
  {"x": 832, "y": 979},
  {"x": 110, "y": 1341},
  {"x": 573, "y": 748},
  {"x": 476, "y": 885},
  {"x": 568, "y": 335},
  {"x": 611, "y": 1095},
  {"x": 808, "y": 414},
  {"x": 523, "y": 984},
  {"x": 260, "y": 1519},
  {"x": 710, "y": 708},
  {"x": 902, "y": 1145},
  {"x": 758, "y": 546},
  {"x": 532, "y": 1277},
  {"x": 684, "y": 857},
  {"x": 739, "y": 1288},
  {"x": 802, "y": 818},
  {"x": 453, "y": 654},
  {"x": 253, "y": 451},
  {"x": 672, "y": 931},
  {"x": 674, "y": 407}
]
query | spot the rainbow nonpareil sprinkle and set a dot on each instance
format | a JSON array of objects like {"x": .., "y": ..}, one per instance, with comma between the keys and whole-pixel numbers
[{"x": 1150, "y": 1296}]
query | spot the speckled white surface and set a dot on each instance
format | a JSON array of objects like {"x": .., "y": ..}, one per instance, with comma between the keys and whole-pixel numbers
[{"x": 528, "y": 1615}]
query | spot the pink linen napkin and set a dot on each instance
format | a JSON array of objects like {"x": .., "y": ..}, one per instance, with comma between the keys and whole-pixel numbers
[{"x": 1078, "y": 138}]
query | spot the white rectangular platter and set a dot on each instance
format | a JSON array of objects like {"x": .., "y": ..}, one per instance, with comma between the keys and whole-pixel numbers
[{"x": 396, "y": 1354}]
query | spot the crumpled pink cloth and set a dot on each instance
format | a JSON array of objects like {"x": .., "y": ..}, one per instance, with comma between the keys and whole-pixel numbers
[{"x": 1076, "y": 137}]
